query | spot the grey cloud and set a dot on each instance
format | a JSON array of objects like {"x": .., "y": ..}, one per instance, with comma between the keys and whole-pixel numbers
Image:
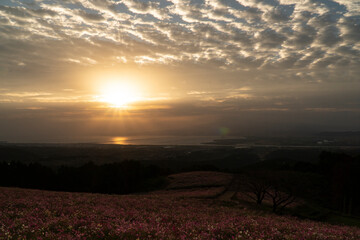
[
  {"x": 269, "y": 38},
  {"x": 23, "y": 12},
  {"x": 148, "y": 7},
  {"x": 259, "y": 2},
  {"x": 329, "y": 36},
  {"x": 300, "y": 40},
  {"x": 209, "y": 32},
  {"x": 250, "y": 14},
  {"x": 288, "y": 62},
  {"x": 242, "y": 62},
  {"x": 188, "y": 10},
  {"x": 15, "y": 11},
  {"x": 103, "y": 3},
  {"x": 326, "y": 61},
  {"x": 348, "y": 50},
  {"x": 350, "y": 28},
  {"x": 303, "y": 16},
  {"x": 221, "y": 15},
  {"x": 177, "y": 32},
  {"x": 302, "y": 36},
  {"x": 244, "y": 38},
  {"x": 142, "y": 6},
  {"x": 310, "y": 56},
  {"x": 90, "y": 16},
  {"x": 228, "y": 34},
  {"x": 157, "y": 37},
  {"x": 332, "y": 6},
  {"x": 43, "y": 12},
  {"x": 279, "y": 13},
  {"x": 324, "y": 20}
]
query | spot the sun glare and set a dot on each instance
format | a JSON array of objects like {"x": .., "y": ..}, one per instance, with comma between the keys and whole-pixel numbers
[{"x": 119, "y": 94}]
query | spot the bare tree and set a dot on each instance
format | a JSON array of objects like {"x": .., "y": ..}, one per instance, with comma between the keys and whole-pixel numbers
[
  {"x": 255, "y": 186},
  {"x": 283, "y": 184},
  {"x": 276, "y": 186},
  {"x": 280, "y": 199}
]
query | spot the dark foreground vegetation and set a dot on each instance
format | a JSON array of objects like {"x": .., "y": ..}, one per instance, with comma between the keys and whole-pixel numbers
[
  {"x": 332, "y": 182},
  {"x": 307, "y": 183},
  {"x": 119, "y": 178}
]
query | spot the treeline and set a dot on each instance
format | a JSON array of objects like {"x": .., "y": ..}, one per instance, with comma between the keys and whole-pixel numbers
[
  {"x": 118, "y": 178},
  {"x": 333, "y": 182}
]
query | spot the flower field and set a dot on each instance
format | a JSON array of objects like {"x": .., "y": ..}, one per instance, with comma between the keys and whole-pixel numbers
[
  {"x": 35, "y": 214},
  {"x": 211, "y": 192}
]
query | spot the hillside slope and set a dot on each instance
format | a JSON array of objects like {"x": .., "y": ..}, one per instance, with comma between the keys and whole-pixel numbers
[{"x": 30, "y": 214}]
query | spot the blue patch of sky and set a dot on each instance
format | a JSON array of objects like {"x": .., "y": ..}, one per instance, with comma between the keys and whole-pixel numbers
[
  {"x": 197, "y": 2},
  {"x": 175, "y": 18},
  {"x": 147, "y": 17},
  {"x": 164, "y": 3},
  {"x": 287, "y": 9},
  {"x": 270, "y": 2},
  {"x": 233, "y": 4},
  {"x": 122, "y": 8},
  {"x": 35, "y": 4},
  {"x": 74, "y": 6},
  {"x": 50, "y": 2},
  {"x": 333, "y": 6},
  {"x": 9, "y": 3}
]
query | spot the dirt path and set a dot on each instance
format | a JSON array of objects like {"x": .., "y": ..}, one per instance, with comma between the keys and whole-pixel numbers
[
  {"x": 231, "y": 190},
  {"x": 227, "y": 196}
]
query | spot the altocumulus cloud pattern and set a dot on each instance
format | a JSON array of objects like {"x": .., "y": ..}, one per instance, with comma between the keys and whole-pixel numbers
[{"x": 229, "y": 34}]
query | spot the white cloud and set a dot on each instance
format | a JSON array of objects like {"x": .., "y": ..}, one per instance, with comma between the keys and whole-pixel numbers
[{"x": 229, "y": 35}]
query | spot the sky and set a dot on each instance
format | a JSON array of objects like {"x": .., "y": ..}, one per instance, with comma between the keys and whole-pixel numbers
[{"x": 73, "y": 68}]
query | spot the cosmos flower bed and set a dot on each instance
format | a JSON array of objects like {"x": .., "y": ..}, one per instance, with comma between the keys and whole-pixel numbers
[
  {"x": 34, "y": 214},
  {"x": 205, "y": 192}
]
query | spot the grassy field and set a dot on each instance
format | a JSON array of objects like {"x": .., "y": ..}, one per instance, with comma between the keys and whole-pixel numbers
[{"x": 179, "y": 212}]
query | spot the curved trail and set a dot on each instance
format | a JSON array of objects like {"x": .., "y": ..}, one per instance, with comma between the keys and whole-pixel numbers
[{"x": 230, "y": 193}]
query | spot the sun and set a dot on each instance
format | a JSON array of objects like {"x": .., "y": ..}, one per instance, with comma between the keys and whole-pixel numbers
[{"x": 119, "y": 94}]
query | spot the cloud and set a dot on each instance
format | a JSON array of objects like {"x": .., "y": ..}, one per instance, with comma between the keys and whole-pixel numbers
[
  {"x": 244, "y": 110},
  {"x": 301, "y": 37},
  {"x": 329, "y": 36},
  {"x": 352, "y": 7},
  {"x": 280, "y": 13},
  {"x": 232, "y": 35},
  {"x": 148, "y": 7},
  {"x": 249, "y": 65},
  {"x": 269, "y": 38},
  {"x": 90, "y": 16}
]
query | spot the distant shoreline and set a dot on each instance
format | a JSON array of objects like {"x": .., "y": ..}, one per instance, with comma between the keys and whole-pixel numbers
[{"x": 315, "y": 141}]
